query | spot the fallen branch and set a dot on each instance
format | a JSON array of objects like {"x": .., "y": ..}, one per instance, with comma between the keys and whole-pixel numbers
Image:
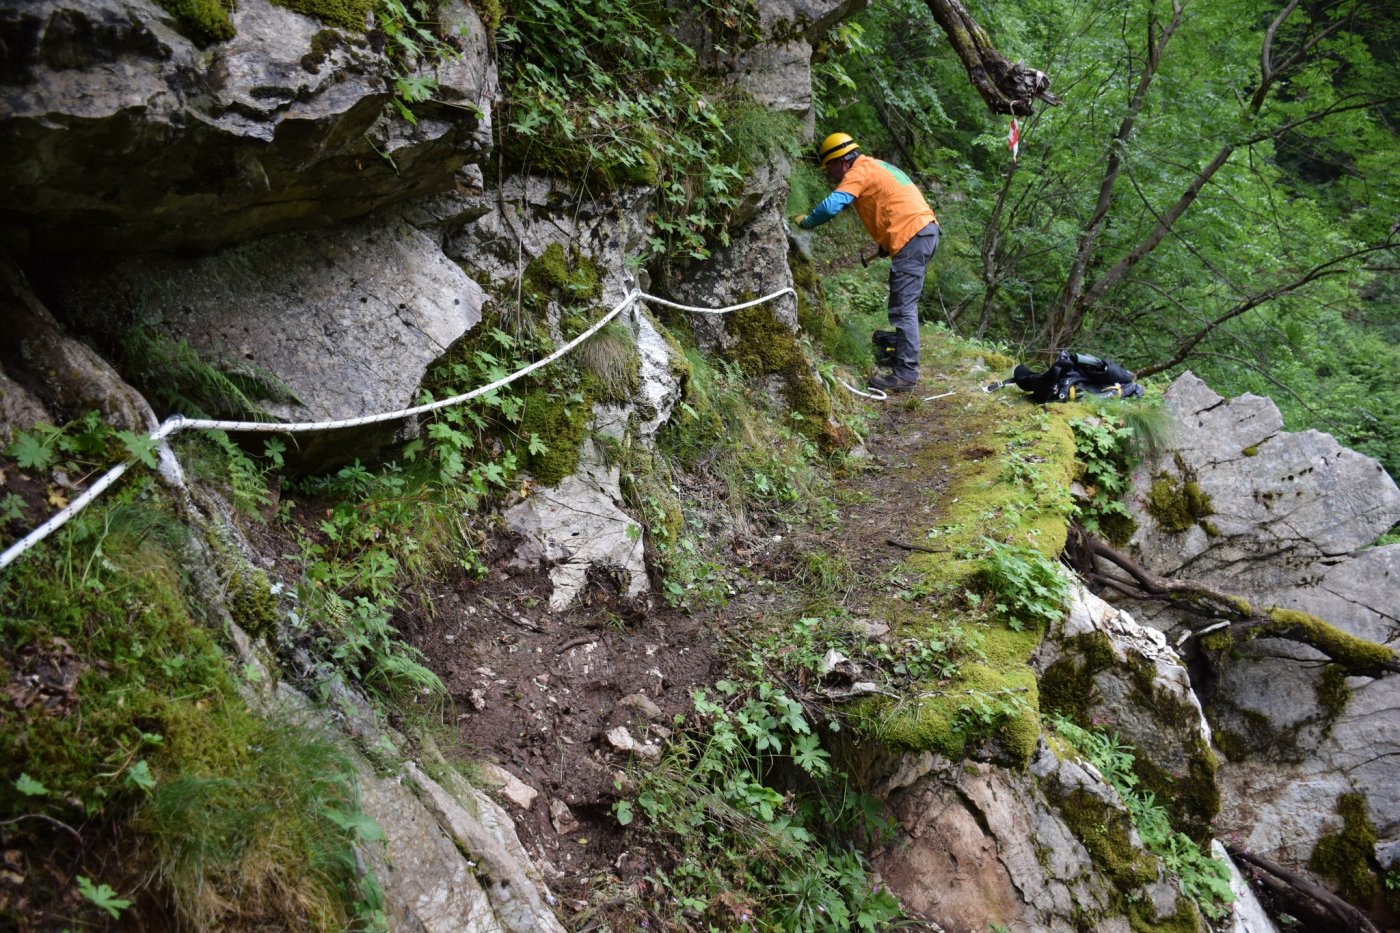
[{"x": 892, "y": 542}]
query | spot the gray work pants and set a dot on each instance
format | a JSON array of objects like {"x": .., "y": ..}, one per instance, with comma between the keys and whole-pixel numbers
[{"x": 906, "y": 285}]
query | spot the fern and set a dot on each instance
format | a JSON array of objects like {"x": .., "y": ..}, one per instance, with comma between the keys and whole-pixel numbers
[{"x": 172, "y": 374}]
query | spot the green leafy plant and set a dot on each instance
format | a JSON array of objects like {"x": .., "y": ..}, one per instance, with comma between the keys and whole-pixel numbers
[
  {"x": 1028, "y": 588},
  {"x": 744, "y": 846},
  {"x": 1203, "y": 878},
  {"x": 80, "y": 446},
  {"x": 602, "y": 91},
  {"x": 1110, "y": 443},
  {"x": 177, "y": 378},
  {"x": 103, "y": 896},
  {"x": 1102, "y": 447}
]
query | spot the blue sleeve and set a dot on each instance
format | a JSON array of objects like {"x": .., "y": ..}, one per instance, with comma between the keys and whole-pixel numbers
[{"x": 834, "y": 204}]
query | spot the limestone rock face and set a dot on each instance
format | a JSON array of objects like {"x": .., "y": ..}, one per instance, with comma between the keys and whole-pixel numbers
[
  {"x": 754, "y": 264},
  {"x": 576, "y": 527},
  {"x": 776, "y": 70},
  {"x": 980, "y": 845},
  {"x": 123, "y": 134},
  {"x": 1282, "y": 519},
  {"x": 1101, "y": 666},
  {"x": 348, "y": 319}
]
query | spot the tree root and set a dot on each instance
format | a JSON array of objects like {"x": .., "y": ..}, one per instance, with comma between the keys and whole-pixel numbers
[
  {"x": 1357, "y": 656},
  {"x": 1314, "y": 904}
]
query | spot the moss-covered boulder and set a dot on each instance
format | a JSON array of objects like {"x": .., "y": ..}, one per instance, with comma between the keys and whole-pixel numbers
[{"x": 1100, "y": 668}]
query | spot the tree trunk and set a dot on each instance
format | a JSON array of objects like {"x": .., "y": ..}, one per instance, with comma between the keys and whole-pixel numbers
[{"x": 1005, "y": 86}]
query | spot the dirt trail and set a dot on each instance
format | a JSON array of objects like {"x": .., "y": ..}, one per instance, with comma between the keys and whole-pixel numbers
[{"x": 536, "y": 692}]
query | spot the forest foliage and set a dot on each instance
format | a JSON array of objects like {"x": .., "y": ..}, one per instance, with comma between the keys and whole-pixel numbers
[{"x": 1278, "y": 274}]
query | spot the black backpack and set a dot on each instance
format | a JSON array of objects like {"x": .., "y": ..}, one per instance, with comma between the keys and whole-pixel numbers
[{"x": 1073, "y": 375}]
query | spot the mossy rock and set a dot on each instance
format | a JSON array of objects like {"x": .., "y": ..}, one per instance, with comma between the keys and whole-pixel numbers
[
  {"x": 1192, "y": 799},
  {"x": 252, "y": 604},
  {"x": 1332, "y": 691},
  {"x": 1067, "y": 686},
  {"x": 347, "y": 14},
  {"x": 764, "y": 346},
  {"x": 1106, "y": 832},
  {"x": 1186, "y": 919},
  {"x": 570, "y": 278},
  {"x": 1344, "y": 858},
  {"x": 561, "y": 426},
  {"x": 204, "y": 21},
  {"x": 1177, "y": 504}
]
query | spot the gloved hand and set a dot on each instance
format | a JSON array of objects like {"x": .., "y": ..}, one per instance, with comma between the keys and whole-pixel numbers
[{"x": 798, "y": 218}]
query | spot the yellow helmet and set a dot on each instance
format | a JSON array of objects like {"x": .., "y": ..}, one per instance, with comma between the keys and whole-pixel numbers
[{"x": 836, "y": 146}]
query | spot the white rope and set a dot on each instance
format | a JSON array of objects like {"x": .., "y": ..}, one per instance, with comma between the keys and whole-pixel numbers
[
  {"x": 176, "y": 423},
  {"x": 748, "y": 304},
  {"x": 878, "y": 395},
  {"x": 930, "y": 398}
]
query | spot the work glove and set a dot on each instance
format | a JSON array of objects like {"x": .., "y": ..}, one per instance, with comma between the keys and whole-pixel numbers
[{"x": 798, "y": 218}]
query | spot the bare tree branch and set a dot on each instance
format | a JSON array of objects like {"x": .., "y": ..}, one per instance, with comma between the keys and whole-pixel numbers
[
  {"x": 1334, "y": 266},
  {"x": 1076, "y": 299},
  {"x": 1068, "y": 311},
  {"x": 1296, "y": 885}
]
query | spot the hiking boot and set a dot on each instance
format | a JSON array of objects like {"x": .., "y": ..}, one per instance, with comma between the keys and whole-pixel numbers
[{"x": 891, "y": 383}]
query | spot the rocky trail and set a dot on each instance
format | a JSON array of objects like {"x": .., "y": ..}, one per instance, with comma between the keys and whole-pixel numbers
[{"x": 561, "y": 704}]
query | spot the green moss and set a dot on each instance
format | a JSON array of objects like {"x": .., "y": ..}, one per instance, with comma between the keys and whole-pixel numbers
[
  {"x": 1345, "y": 858},
  {"x": 997, "y": 361},
  {"x": 561, "y": 426},
  {"x": 814, "y": 315},
  {"x": 648, "y": 491},
  {"x": 1251, "y": 451},
  {"x": 1187, "y": 919},
  {"x": 1219, "y": 641},
  {"x": 1118, "y": 528},
  {"x": 1332, "y": 691},
  {"x": 1192, "y": 799},
  {"x": 569, "y": 278},
  {"x": 153, "y": 702},
  {"x": 1105, "y": 832},
  {"x": 991, "y": 706},
  {"x": 1234, "y": 745},
  {"x": 322, "y": 44},
  {"x": 1353, "y": 653},
  {"x": 764, "y": 346},
  {"x": 1067, "y": 686},
  {"x": 490, "y": 12},
  {"x": 347, "y": 14},
  {"x": 252, "y": 604},
  {"x": 1178, "y": 504},
  {"x": 204, "y": 21}
]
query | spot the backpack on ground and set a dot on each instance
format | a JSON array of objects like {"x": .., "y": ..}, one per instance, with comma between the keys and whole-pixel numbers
[{"x": 1073, "y": 375}]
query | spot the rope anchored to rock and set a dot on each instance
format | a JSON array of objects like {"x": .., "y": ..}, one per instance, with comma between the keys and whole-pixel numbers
[{"x": 177, "y": 423}]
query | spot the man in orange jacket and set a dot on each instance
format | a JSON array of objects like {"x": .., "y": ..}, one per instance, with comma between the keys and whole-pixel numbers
[{"x": 897, "y": 218}]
